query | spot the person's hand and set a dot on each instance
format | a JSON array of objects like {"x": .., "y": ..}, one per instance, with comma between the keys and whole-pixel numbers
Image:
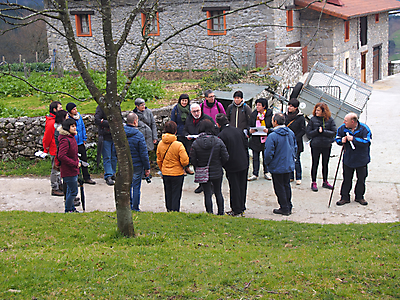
[
  {"x": 154, "y": 141},
  {"x": 252, "y": 130},
  {"x": 320, "y": 129},
  {"x": 79, "y": 164},
  {"x": 265, "y": 130},
  {"x": 84, "y": 142},
  {"x": 349, "y": 138},
  {"x": 146, "y": 173},
  {"x": 344, "y": 140},
  {"x": 189, "y": 138}
]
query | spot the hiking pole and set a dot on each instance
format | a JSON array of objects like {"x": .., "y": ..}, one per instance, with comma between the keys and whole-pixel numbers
[{"x": 334, "y": 181}]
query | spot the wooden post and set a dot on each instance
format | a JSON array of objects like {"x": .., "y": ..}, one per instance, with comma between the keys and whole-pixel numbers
[
  {"x": 37, "y": 60},
  {"x": 190, "y": 67},
  {"x": 20, "y": 58},
  {"x": 25, "y": 70}
]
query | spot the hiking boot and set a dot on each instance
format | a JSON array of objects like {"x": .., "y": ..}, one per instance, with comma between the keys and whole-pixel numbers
[
  {"x": 199, "y": 189},
  {"x": 361, "y": 201},
  {"x": 279, "y": 211},
  {"x": 90, "y": 181},
  {"x": 298, "y": 181},
  {"x": 326, "y": 185},
  {"x": 252, "y": 178},
  {"x": 109, "y": 181},
  {"x": 314, "y": 186},
  {"x": 57, "y": 193},
  {"x": 113, "y": 177},
  {"x": 342, "y": 202},
  {"x": 77, "y": 201},
  {"x": 268, "y": 176},
  {"x": 188, "y": 171}
]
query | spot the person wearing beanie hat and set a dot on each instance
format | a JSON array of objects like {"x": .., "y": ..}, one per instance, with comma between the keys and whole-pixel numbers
[
  {"x": 147, "y": 124},
  {"x": 295, "y": 121},
  {"x": 80, "y": 139},
  {"x": 139, "y": 101}
]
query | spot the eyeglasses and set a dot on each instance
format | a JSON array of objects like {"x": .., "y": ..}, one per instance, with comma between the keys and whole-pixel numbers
[
  {"x": 213, "y": 96},
  {"x": 196, "y": 111}
]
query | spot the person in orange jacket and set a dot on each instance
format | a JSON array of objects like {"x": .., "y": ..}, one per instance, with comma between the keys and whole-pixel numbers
[
  {"x": 171, "y": 159},
  {"x": 49, "y": 147}
]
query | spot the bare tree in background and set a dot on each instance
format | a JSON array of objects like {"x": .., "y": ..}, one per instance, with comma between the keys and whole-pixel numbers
[{"x": 110, "y": 99}]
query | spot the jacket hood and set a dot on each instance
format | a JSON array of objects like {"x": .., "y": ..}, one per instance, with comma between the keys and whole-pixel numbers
[
  {"x": 63, "y": 131},
  {"x": 131, "y": 130},
  {"x": 281, "y": 130},
  {"x": 50, "y": 117},
  {"x": 168, "y": 138},
  {"x": 206, "y": 141}
]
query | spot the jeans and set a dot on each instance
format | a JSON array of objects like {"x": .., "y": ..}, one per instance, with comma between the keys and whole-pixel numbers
[
  {"x": 135, "y": 187},
  {"x": 315, "y": 154},
  {"x": 55, "y": 178},
  {"x": 256, "y": 163},
  {"x": 109, "y": 158},
  {"x": 297, "y": 167},
  {"x": 72, "y": 191},
  {"x": 173, "y": 192}
]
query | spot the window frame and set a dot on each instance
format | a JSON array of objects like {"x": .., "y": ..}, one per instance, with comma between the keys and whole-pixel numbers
[
  {"x": 346, "y": 30},
  {"x": 376, "y": 18},
  {"x": 78, "y": 24},
  {"x": 289, "y": 20},
  {"x": 210, "y": 22},
  {"x": 157, "y": 19}
]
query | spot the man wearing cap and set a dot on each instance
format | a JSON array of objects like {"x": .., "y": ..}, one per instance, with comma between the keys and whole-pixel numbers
[{"x": 80, "y": 139}]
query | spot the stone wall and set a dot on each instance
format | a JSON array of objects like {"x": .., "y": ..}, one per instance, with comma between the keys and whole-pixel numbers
[
  {"x": 23, "y": 136},
  {"x": 192, "y": 48}
]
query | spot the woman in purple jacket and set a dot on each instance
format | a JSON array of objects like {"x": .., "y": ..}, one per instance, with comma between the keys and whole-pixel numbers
[{"x": 68, "y": 157}]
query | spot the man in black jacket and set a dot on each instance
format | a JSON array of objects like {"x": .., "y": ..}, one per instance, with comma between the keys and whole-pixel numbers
[
  {"x": 105, "y": 146},
  {"x": 237, "y": 166}
]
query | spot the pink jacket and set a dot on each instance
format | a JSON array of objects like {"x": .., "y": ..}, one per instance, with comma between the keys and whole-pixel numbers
[{"x": 214, "y": 110}]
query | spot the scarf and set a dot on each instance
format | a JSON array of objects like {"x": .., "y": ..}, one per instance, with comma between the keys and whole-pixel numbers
[
  {"x": 75, "y": 117},
  {"x": 260, "y": 121},
  {"x": 184, "y": 111},
  {"x": 291, "y": 115}
]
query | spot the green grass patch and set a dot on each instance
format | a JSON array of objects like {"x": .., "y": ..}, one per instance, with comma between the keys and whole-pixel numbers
[
  {"x": 25, "y": 167},
  {"x": 194, "y": 256}
]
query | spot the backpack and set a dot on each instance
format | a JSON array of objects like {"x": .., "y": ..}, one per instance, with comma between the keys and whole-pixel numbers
[
  {"x": 230, "y": 111},
  {"x": 216, "y": 102}
]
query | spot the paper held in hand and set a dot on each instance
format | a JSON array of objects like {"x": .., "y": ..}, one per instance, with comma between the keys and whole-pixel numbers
[
  {"x": 259, "y": 130},
  {"x": 192, "y": 136}
]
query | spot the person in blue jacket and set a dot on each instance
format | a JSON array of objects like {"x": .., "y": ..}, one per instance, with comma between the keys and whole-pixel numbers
[
  {"x": 280, "y": 153},
  {"x": 355, "y": 137},
  {"x": 140, "y": 158},
  {"x": 80, "y": 138}
]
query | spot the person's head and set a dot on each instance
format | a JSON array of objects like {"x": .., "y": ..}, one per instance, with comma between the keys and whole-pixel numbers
[
  {"x": 261, "y": 104},
  {"x": 184, "y": 100},
  {"x": 351, "y": 121},
  {"x": 278, "y": 119},
  {"x": 321, "y": 110},
  {"x": 206, "y": 126},
  {"x": 195, "y": 110},
  {"x": 61, "y": 115},
  {"x": 238, "y": 97},
  {"x": 140, "y": 104},
  {"x": 170, "y": 127},
  {"x": 221, "y": 119},
  {"x": 132, "y": 119},
  {"x": 55, "y": 106},
  {"x": 293, "y": 105},
  {"x": 210, "y": 96},
  {"x": 71, "y": 108},
  {"x": 70, "y": 126}
]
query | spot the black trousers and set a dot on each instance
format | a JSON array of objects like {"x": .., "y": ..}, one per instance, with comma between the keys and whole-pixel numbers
[
  {"x": 83, "y": 157},
  {"x": 283, "y": 190},
  {"x": 315, "y": 154},
  {"x": 359, "y": 190},
  {"x": 173, "y": 192},
  {"x": 237, "y": 190},
  {"x": 216, "y": 183}
]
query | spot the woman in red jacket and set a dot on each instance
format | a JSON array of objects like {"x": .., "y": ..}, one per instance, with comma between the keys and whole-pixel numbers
[{"x": 68, "y": 157}]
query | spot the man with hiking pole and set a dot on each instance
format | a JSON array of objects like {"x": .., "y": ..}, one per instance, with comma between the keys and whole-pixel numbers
[{"x": 356, "y": 140}]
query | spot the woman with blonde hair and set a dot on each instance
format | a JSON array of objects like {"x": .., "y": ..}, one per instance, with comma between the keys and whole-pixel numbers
[{"x": 321, "y": 129}]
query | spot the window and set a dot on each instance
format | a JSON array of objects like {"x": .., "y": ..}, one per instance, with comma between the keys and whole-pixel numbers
[
  {"x": 376, "y": 18},
  {"x": 83, "y": 25},
  {"x": 347, "y": 66},
  {"x": 363, "y": 31},
  {"x": 217, "y": 25},
  {"x": 154, "y": 24},
  {"x": 346, "y": 31},
  {"x": 289, "y": 20}
]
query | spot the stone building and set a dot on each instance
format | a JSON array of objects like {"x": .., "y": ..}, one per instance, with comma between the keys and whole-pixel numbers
[{"x": 349, "y": 35}]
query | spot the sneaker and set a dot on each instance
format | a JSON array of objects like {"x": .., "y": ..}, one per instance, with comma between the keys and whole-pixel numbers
[
  {"x": 342, "y": 202},
  {"x": 233, "y": 214},
  {"x": 298, "y": 181},
  {"x": 252, "y": 178},
  {"x": 90, "y": 181},
  {"x": 314, "y": 186},
  {"x": 199, "y": 189},
  {"x": 326, "y": 185},
  {"x": 361, "y": 201},
  {"x": 57, "y": 193},
  {"x": 279, "y": 211},
  {"x": 109, "y": 181},
  {"x": 268, "y": 176}
]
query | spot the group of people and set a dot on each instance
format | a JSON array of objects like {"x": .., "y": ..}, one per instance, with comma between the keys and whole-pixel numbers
[{"x": 211, "y": 139}]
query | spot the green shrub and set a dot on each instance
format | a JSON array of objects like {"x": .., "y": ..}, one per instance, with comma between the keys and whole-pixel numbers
[
  {"x": 220, "y": 79},
  {"x": 10, "y": 112},
  {"x": 19, "y": 67}
]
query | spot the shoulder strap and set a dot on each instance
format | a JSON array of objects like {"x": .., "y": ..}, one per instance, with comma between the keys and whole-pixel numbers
[
  {"x": 217, "y": 103},
  {"x": 290, "y": 123},
  {"x": 209, "y": 159},
  {"x": 167, "y": 150}
]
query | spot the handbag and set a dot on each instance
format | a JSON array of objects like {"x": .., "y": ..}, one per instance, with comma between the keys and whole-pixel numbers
[{"x": 202, "y": 173}]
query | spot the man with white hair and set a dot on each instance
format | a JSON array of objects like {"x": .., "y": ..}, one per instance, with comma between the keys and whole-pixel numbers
[
  {"x": 192, "y": 128},
  {"x": 356, "y": 140}
]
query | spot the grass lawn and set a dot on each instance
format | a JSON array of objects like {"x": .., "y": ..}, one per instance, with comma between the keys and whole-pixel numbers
[{"x": 194, "y": 256}]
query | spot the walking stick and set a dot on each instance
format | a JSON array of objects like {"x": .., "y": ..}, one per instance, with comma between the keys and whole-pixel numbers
[{"x": 334, "y": 181}]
